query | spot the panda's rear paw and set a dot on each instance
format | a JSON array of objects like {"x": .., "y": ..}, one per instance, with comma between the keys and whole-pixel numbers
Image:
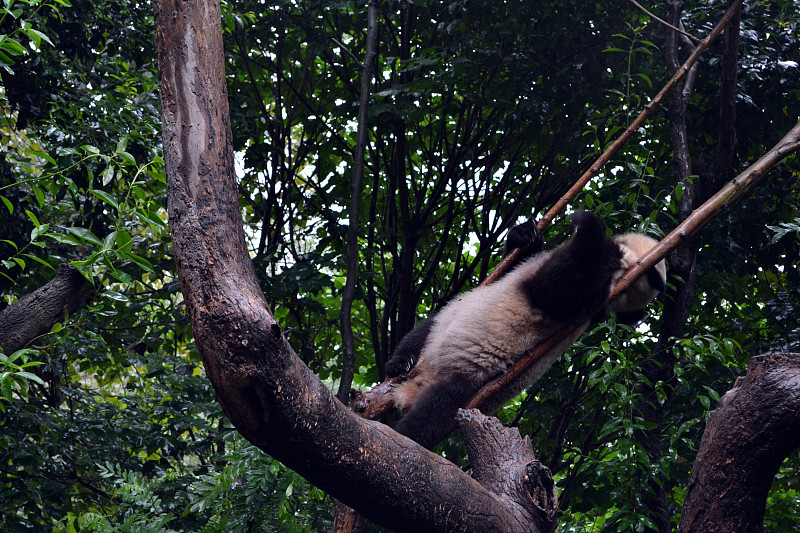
[{"x": 396, "y": 366}]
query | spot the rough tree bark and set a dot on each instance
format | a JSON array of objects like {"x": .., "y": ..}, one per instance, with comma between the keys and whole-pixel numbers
[
  {"x": 755, "y": 427},
  {"x": 36, "y": 313},
  {"x": 271, "y": 397}
]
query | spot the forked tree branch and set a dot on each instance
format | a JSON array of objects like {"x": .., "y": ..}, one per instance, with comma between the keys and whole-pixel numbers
[
  {"x": 267, "y": 392},
  {"x": 664, "y": 22}
]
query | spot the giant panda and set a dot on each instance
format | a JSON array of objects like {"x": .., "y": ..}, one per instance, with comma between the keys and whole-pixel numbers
[{"x": 445, "y": 360}]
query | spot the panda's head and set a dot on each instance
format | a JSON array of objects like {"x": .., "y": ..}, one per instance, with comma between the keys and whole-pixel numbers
[{"x": 629, "y": 306}]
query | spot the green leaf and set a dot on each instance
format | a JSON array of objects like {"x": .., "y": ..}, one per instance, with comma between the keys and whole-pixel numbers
[
  {"x": 116, "y": 296},
  {"x": 71, "y": 240},
  {"x": 5, "y": 389},
  {"x": 56, "y": 327},
  {"x": 106, "y": 197},
  {"x": 37, "y": 192},
  {"x": 92, "y": 259},
  {"x": 11, "y": 47},
  {"x": 108, "y": 175},
  {"x": 121, "y": 276},
  {"x": 704, "y": 401},
  {"x": 38, "y": 231},
  {"x": 152, "y": 218},
  {"x": 8, "y": 203},
  {"x": 21, "y": 354},
  {"x": 108, "y": 242},
  {"x": 89, "y": 149},
  {"x": 86, "y": 235},
  {"x": 33, "y": 218},
  {"x": 38, "y": 37},
  {"x": 44, "y": 155},
  {"x": 127, "y": 158},
  {"x": 141, "y": 261},
  {"x": 124, "y": 241},
  {"x": 86, "y": 273},
  {"x": 40, "y": 260},
  {"x": 30, "y": 377},
  {"x": 646, "y": 78}
]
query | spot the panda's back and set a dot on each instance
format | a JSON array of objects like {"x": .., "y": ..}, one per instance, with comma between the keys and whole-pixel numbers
[{"x": 486, "y": 329}]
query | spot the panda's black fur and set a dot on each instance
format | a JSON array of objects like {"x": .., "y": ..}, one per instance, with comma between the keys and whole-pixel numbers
[{"x": 483, "y": 331}]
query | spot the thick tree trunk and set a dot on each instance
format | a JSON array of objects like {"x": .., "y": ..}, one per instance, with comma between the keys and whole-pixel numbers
[
  {"x": 35, "y": 314},
  {"x": 271, "y": 397},
  {"x": 754, "y": 428}
]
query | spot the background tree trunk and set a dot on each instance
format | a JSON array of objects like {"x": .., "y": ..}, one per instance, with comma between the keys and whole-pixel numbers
[
  {"x": 754, "y": 428},
  {"x": 699, "y": 184}
]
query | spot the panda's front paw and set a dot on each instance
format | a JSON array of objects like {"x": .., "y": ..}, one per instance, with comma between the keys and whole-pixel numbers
[{"x": 523, "y": 235}]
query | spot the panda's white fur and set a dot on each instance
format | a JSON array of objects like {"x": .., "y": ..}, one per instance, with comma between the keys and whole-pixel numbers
[
  {"x": 482, "y": 332},
  {"x": 464, "y": 337},
  {"x": 634, "y": 246}
]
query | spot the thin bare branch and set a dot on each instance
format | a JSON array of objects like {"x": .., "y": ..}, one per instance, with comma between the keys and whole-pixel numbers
[
  {"x": 664, "y": 22},
  {"x": 345, "y": 316}
]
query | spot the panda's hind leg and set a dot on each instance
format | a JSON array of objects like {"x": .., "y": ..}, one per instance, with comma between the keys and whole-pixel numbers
[{"x": 431, "y": 417}]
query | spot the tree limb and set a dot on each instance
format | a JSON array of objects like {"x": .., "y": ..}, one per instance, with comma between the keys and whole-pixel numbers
[
  {"x": 664, "y": 22},
  {"x": 36, "y": 313}
]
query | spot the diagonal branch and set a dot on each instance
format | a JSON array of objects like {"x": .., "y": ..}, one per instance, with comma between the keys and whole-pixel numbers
[
  {"x": 664, "y": 22},
  {"x": 609, "y": 152},
  {"x": 701, "y": 216}
]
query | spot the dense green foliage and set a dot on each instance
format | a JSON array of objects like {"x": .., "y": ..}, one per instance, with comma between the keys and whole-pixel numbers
[{"x": 481, "y": 114}]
